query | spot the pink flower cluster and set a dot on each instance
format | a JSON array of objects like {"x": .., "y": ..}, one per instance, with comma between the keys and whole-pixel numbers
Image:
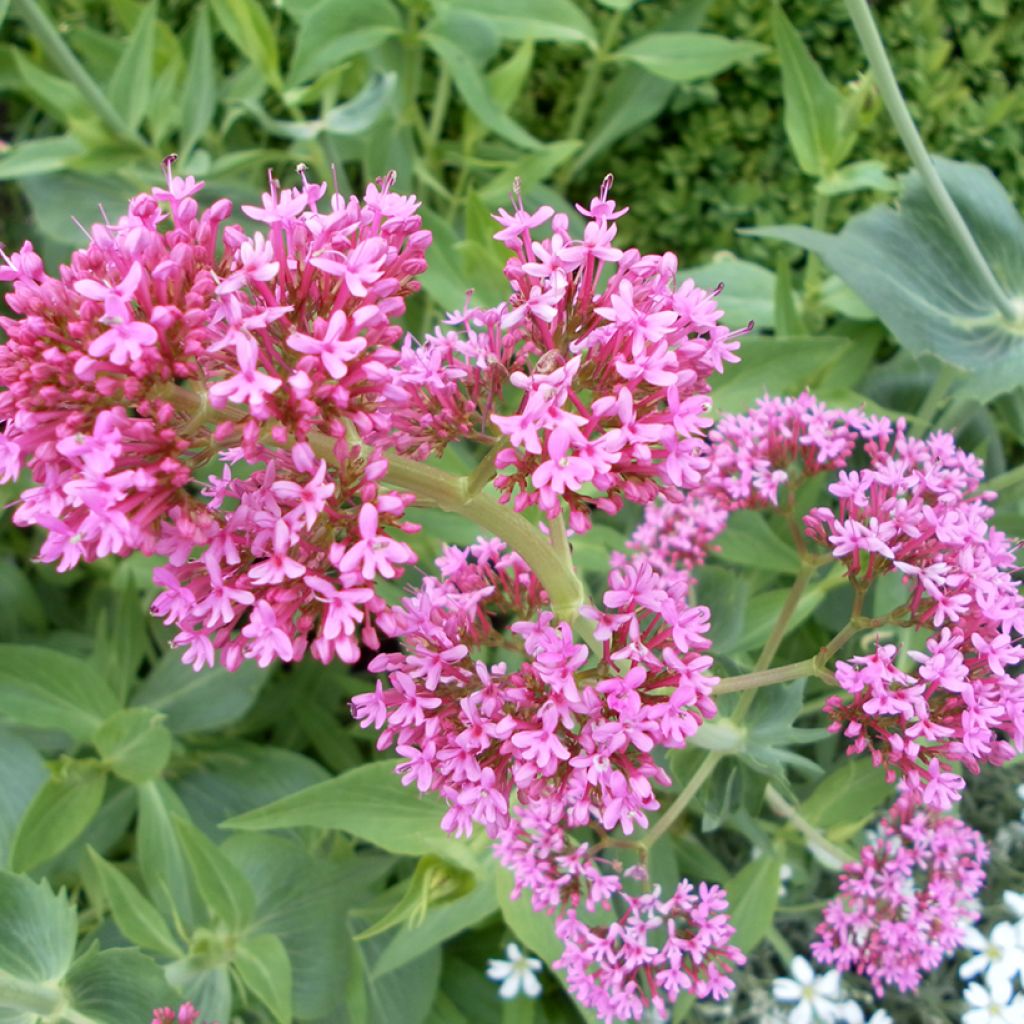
[
  {"x": 609, "y": 379},
  {"x": 168, "y": 341},
  {"x": 904, "y": 906},
  {"x": 916, "y": 510},
  {"x": 624, "y": 953},
  {"x": 186, "y": 1014},
  {"x": 491, "y": 702}
]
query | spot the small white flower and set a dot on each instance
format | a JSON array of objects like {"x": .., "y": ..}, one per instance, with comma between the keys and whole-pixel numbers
[
  {"x": 815, "y": 997},
  {"x": 1015, "y": 901},
  {"x": 992, "y": 1004},
  {"x": 1000, "y": 956},
  {"x": 851, "y": 1013},
  {"x": 517, "y": 973},
  {"x": 880, "y": 1017}
]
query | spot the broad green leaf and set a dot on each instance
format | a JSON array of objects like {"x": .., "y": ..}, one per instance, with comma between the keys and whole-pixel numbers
[
  {"x": 812, "y": 105},
  {"x": 246, "y": 24},
  {"x": 404, "y": 995},
  {"x": 23, "y": 773},
  {"x": 748, "y": 291},
  {"x": 443, "y": 280},
  {"x": 441, "y": 922},
  {"x": 199, "y": 701},
  {"x": 22, "y": 613},
  {"x": 531, "y": 170},
  {"x": 506, "y": 81},
  {"x": 687, "y": 56},
  {"x": 541, "y": 20},
  {"x": 473, "y": 90},
  {"x": 199, "y": 98},
  {"x": 138, "y": 920},
  {"x": 238, "y": 777},
  {"x": 369, "y": 803},
  {"x": 305, "y": 901},
  {"x": 37, "y": 940},
  {"x": 263, "y": 965},
  {"x": 632, "y": 99},
  {"x": 132, "y": 80},
  {"x": 762, "y": 612},
  {"x": 753, "y": 897},
  {"x": 58, "y": 813},
  {"x": 161, "y": 859},
  {"x": 859, "y": 176},
  {"x": 53, "y": 94},
  {"x": 221, "y": 885},
  {"x": 906, "y": 265},
  {"x": 115, "y": 986},
  {"x": 207, "y": 988},
  {"x": 35, "y": 157},
  {"x": 134, "y": 744},
  {"x": 847, "y": 798},
  {"x": 48, "y": 690},
  {"x": 727, "y": 593},
  {"x": 337, "y": 30},
  {"x": 58, "y": 199},
  {"x": 619, "y": 5},
  {"x": 749, "y": 541}
]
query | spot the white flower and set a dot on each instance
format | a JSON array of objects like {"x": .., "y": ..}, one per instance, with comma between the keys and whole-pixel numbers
[
  {"x": 880, "y": 1017},
  {"x": 992, "y": 1004},
  {"x": 517, "y": 973},
  {"x": 1000, "y": 956},
  {"x": 851, "y": 1013},
  {"x": 1015, "y": 901},
  {"x": 815, "y": 997}
]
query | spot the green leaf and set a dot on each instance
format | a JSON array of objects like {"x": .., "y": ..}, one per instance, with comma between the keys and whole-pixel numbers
[
  {"x": 443, "y": 280},
  {"x": 812, "y": 105},
  {"x": 222, "y": 886},
  {"x": 199, "y": 98},
  {"x": 859, "y": 176},
  {"x": 114, "y": 986},
  {"x": 246, "y": 24},
  {"x": 337, "y": 30},
  {"x": 207, "y": 988},
  {"x": 749, "y": 541},
  {"x": 35, "y": 157},
  {"x": 57, "y": 198},
  {"x": 748, "y": 290},
  {"x": 753, "y": 897},
  {"x": 687, "y": 56},
  {"x": 906, "y": 265},
  {"x": 137, "y": 918},
  {"x": 847, "y": 798},
  {"x": 505, "y": 82},
  {"x": 45, "y": 689},
  {"x": 134, "y": 744},
  {"x": 787, "y": 320},
  {"x": 199, "y": 701},
  {"x": 23, "y": 773},
  {"x": 58, "y": 813},
  {"x": 162, "y": 861},
  {"x": 37, "y": 941},
  {"x": 5, "y": 6},
  {"x": 541, "y": 20},
  {"x": 369, "y": 803},
  {"x": 531, "y": 170},
  {"x": 132, "y": 80},
  {"x": 473, "y": 89},
  {"x": 263, "y": 965}
]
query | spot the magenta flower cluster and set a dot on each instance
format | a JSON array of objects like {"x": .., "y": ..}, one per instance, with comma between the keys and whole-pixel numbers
[
  {"x": 914, "y": 510},
  {"x": 905, "y": 904}
]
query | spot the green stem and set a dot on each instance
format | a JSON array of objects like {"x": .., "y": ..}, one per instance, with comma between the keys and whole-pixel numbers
[
  {"x": 676, "y": 808},
  {"x": 439, "y": 110},
  {"x": 766, "y": 677},
  {"x": 812, "y": 273},
  {"x": 888, "y": 88},
  {"x": 588, "y": 90},
  {"x": 796, "y": 591},
  {"x": 29, "y": 996},
  {"x": 813, "y": 836},
  {"x": 63, "y": 57},
  {"x": 439, "y": 489}
]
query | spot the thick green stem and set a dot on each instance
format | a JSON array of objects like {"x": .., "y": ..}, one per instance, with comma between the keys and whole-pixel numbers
[
  {"x": 796, "y": 591},
  {"x": 888, "y": 88},
  {"x": 676, "y": 808},
  {"x": 766, "y": 677},
  {"x": 62, "y": 56},
  {"x": 438, "y": 489},
  {"x": 827, "y": 850},
  {"x": 33, "y": 997}
]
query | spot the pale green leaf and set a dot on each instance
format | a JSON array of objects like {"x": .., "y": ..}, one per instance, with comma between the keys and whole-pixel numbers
[
  {"x": 115, "y": 986},
  {"x": 35, "y": 157},
  {"x": 687, "y": 56},
  {"x": 263, "y": 965},
  {"x": 162, "y": 861},
  {"x": 58, "y": 814},
  {"x": 541, "y": 20},
  {"x": 753, "y": 897},
  {"x": 138, "y": 920},
  {"x": 858, "y": 176},
  {"x": 132, "y": 80},
  {"x": 24, "y": 773},
  {"x": 748, "y": 290},
  {"x": 812, "y": 106},
  {"x": 134, "y": 744},
  {"x": 246, "y": 24},
  {"x": 37, "y": 940},
  {"x": 199, "y": 98},
  {"x": 222, "y": 886}
]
